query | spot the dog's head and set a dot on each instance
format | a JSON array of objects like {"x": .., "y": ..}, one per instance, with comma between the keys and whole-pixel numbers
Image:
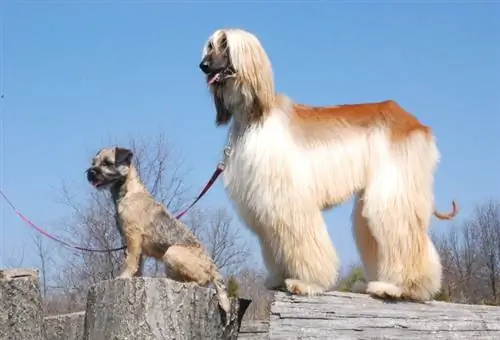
[
  {"x": 216, "y": 60},
  {"x": 109, "y": 166},
  {"x": 238, "y": 72}
]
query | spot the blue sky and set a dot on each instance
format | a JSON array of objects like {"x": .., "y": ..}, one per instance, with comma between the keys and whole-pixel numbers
[{"x": 77, "y": 74}]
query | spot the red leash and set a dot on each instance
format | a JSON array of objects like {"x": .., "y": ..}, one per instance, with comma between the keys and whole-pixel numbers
[{"x": 209, "y": 184}]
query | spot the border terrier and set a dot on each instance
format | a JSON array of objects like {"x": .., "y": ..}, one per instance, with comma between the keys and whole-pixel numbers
[{"x": 148, "y": 229}]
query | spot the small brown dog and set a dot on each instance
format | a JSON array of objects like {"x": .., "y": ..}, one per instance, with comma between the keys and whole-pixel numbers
[{"x": 148, "y": 228}]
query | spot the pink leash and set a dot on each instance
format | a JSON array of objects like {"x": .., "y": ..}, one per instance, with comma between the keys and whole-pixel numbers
[{"x": 209, "y": 184}]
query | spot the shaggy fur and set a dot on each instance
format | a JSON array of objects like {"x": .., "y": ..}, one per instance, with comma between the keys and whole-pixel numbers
[
  {"x": 290, "y": 162},
  {"x": 148, "y": 228}
]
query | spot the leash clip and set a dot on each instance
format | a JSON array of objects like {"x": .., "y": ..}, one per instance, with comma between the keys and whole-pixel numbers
[{"x": 227, "y": 152}]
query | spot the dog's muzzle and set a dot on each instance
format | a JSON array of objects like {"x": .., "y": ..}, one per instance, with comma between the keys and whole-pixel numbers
[
  {"x": 205, "y": 66},
  {"x": 217, "y": 68},
  {"x": 91, "y": 174},
  {"x": 211, "y": 69}
]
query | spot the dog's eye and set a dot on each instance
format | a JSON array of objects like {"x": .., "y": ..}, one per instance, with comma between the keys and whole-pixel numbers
[{"x": 107, "y": 162}]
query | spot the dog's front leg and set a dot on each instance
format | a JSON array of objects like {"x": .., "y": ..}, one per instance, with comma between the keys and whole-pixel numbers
[
  {"x": 140, "y": 269},
  {"x": 133, "y": 258}
]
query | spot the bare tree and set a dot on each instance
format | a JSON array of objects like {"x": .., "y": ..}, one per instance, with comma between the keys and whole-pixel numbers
[
  {"x": 91, "y": 223},
  {"x": 486, "y": 224},
  {"x": 224, "y": 241},
  {"x": 91, "y": 219},
  {"x": 470, "y": 254},
  {"x": 449, "y": 281},
  {"x": 43, "y": 254}
]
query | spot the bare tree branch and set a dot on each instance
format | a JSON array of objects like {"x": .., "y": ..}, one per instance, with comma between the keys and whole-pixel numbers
[
  {"x": 470, "y": 254},
  {"x": 223, "y": 240},
  {"x": 91, "y": 223}
]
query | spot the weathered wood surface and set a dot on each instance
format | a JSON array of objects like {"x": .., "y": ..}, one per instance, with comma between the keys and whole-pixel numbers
[
  {"x": 338, "y": 315},
  {"x": 65, "y": 326},
  {"x": 14, "y": 273},
  {"x": 21, "y": 311},
  {"x": 254, "y": 330},
  {"x": 149, "y": 308}
]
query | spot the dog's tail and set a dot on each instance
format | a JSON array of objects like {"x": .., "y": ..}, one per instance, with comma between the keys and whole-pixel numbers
[{"x": 450, "y": 215}]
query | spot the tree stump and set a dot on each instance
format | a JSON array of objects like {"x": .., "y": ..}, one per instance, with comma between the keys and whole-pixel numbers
[
  {"x": 65, "y": 326},
  {"x": 21, "y": 310},
  {"x": 147, "y": 308}
]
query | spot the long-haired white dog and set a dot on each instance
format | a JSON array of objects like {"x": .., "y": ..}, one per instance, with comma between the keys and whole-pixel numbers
[{"x": 289, "y": 162}]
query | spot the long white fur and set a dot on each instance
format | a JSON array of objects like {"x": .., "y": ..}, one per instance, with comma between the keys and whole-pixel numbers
[{"x": 279, "y": 181}]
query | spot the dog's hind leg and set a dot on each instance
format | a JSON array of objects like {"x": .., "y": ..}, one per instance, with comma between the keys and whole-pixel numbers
[
  {"x": 408, "y": 264},
  {"x": 190, "y": 263},
  {"x": 366, "y": 244},
  {"x": 398, "y": 204}
]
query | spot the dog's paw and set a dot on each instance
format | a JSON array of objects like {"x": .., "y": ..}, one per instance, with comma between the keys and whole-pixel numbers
[
  {"x": 383, "y": 290},
  {"x": 297, "y": 287}
]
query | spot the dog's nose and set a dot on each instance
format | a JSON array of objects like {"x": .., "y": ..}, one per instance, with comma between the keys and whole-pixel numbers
[
  {"x": 91, "y": 173},
  {"x": 205, "y": 66}
]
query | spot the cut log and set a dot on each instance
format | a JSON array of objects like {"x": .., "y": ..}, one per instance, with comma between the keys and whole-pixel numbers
[
  {"x": 148, "y": 308},
  {"x": 65, "y": 326},
  {"x": 338, "y": 315},
  {"x": 21, "y": 310},
  {"x": 254, "y": 330}
]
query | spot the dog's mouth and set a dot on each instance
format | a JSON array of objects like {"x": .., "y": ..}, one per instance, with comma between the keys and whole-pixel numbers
[
  {"x": 220, "y": 76},
  {"x": 213, "y": 78},
  {"x": 98, "y": 184},
  {"x": 97, "y": 180}
]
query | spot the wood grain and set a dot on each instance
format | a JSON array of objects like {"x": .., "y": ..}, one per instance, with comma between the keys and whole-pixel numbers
[{"x": 338, "y": 315}]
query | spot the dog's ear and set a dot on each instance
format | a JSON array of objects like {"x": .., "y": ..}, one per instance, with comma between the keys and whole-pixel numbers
[{"x": 123, "y": 156}]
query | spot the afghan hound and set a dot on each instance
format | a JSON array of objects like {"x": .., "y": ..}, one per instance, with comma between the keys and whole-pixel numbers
[{"x": 289, "y": 162}]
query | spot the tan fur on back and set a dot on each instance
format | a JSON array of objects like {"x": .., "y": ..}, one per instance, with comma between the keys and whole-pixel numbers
[{"x": 291, "y": 161}]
